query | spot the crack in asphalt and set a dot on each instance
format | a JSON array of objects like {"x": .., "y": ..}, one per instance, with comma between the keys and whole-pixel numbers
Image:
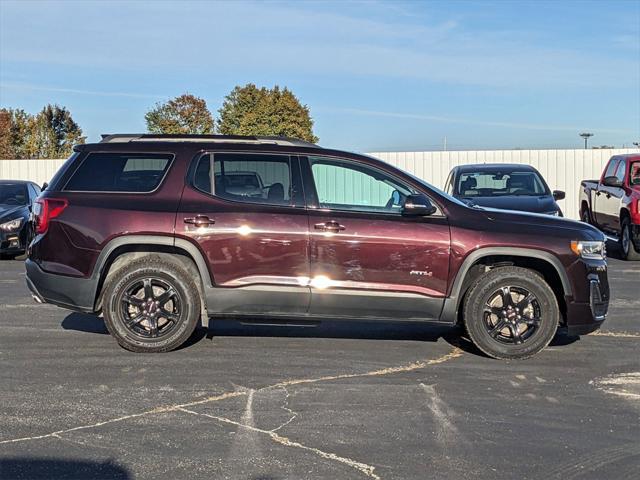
[
  {"x": 153, "y": 411},
  {"x": 600, "y": 333},
  {"x": 285, "y": 407},
  {"x": 368, "y": 470}
]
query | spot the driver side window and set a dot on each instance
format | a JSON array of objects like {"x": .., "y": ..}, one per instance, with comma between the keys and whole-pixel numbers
[{"x": 346, "y": 185}]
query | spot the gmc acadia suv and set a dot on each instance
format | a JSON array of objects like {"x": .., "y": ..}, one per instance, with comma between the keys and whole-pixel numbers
[{"x": 158, "y": 233}]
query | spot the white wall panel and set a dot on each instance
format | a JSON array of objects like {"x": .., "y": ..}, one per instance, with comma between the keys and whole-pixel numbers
[{"x": 562, "y": 169}]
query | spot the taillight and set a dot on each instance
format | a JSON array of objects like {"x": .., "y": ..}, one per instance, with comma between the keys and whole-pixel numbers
[{"x": 46, "y": 209}]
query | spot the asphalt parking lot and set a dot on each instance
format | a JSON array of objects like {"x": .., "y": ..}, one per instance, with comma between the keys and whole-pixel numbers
[{"x": 340, "y": 401}]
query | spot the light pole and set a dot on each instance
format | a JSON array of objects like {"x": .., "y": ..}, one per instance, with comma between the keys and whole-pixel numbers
[{"x": 586, "y": 136}]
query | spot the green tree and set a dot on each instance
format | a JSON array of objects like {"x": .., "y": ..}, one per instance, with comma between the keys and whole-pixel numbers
[
  {"x": 250, "y": 110},
  {"x": 186, "y": 114},
  {"x": 52, "y": 133}
]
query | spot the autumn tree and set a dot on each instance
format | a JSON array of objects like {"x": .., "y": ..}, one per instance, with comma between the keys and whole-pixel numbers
[
  {"x": 5, "y": 134},
  {"x": 250, "y": 110},
  {"x": 186, "y": 114},
  {"x": 52, "y": 133}
]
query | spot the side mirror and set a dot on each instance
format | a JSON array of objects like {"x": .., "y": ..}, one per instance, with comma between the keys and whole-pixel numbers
[
  {"x": 44, "y": 186},
  {"x": 418, "y": 206},
  {"x": 558, "y": 195},
  {"x": 612, "y": 181}
]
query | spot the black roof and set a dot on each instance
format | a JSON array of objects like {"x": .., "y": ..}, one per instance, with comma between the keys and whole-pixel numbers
[
  {"x": 494, "y": 167},
  {"x": 253, "y": 139},
  {"x": 13, "y": 182}
]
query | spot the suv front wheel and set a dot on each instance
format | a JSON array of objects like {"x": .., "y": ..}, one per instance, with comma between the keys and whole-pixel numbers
[
  {"x": 151, "y": 305},
  {"x": 511, "y": 313}
]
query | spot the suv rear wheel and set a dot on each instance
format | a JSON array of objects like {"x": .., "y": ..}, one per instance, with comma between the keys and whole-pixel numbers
[
  {"x": 151, "y": 305},
  {"x": 511, "y": 313}
]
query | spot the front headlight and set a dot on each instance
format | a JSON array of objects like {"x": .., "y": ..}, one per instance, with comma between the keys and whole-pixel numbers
[
  {"x": 589, "y": 249},
  {"x": 12, "y": 225}
]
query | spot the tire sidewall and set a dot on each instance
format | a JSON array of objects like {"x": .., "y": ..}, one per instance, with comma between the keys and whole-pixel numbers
[
  {"x": 631, "y": 253},
  {"x": 481, "y": 292},
  {"x": 128, "y": 339}
]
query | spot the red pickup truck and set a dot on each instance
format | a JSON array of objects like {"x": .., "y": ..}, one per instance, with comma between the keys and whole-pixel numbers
[{"x": 613, "y": 203}]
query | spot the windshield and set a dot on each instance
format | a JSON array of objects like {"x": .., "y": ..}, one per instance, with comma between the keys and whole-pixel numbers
[
  {"x": 499, "y": 184},
  {"x": 634, "y": 177},
  {"x": 13, "y": 194}
]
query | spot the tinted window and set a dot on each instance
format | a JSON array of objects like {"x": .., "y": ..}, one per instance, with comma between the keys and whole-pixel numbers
[
  {"x": 634, "y": 176},
  {"x": 13, "y": 194},
  {"x": 493, "y": 184},
  {"x": 33, "y": 192},
  {"x": 120, "y": 172},
  {"x": 345, "y": 185},
  {"x": 253, "y": 178}
]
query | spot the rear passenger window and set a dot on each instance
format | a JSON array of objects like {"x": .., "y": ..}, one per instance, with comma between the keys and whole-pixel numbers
[
  {"x": 120, "y": 172},
  {"x": 246, "y": 177}
]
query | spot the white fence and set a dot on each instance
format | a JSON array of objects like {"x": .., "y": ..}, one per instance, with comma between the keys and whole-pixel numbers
[
  {"x": 38, "y": 171},
  {"x": 562, "y": 169}
]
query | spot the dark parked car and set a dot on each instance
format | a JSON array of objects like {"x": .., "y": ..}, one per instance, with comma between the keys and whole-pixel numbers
[
  {"x": 146, "y": 230},
  {"x": 16, "y": 199},
  {"x": 612, "y": 203},
  {"x": 504, "y": 186}
]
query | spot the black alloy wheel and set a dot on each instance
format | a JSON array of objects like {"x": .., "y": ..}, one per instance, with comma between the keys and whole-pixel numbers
[
  {"x": 150, "y": 307},
  {"x": 512, "y": 315}
]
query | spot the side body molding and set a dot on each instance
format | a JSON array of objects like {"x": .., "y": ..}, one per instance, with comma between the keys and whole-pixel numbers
[{"x": 452, "y": 303}]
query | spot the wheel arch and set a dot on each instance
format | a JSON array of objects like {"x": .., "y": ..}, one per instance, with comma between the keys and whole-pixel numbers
[
  {"x": 127, "y": 247},
  {"x": 484, "y": 259}
]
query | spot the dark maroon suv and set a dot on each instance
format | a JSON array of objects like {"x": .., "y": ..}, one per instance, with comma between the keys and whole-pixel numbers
[{"x": 158, "y": 233}]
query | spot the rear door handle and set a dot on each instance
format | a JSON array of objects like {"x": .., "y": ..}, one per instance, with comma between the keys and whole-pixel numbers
[
  {"x": 199, "y": 221},
  {"x": 331, "y": 226}
]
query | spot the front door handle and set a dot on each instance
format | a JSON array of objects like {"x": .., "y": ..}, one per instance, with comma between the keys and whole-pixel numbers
[
  {"x": 199, "y": 221},
  {"x": 331, "y": 226}
]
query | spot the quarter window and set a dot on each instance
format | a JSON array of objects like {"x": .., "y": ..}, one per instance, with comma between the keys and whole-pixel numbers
[
  {"x": 120, "y": 172},
  {"x": 251, "y": 178},
  {"x": 345, "y": 185}
]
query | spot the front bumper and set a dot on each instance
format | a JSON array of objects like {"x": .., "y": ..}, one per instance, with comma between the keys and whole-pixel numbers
[
  {"x": 72, "y": 293},
  {"x": 587, "y": 311}
]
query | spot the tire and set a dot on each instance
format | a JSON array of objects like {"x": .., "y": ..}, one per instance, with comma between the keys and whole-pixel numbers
[
  {"x": 629, "y": 252},
  {"x": 585, "y": 216},
  {"x": 528, "y": 323},
  {"x": 151, "y": 305}
]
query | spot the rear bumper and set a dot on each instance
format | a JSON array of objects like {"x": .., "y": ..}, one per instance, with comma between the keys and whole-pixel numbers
[{"x": 68, "y": 292}]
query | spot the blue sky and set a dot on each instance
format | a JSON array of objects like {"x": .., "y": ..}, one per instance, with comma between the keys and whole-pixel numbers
[{"x": 376, "y": 75}]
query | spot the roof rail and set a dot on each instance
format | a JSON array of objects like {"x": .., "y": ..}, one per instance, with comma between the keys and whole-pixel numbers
[{"x": 143, "y": 137}]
